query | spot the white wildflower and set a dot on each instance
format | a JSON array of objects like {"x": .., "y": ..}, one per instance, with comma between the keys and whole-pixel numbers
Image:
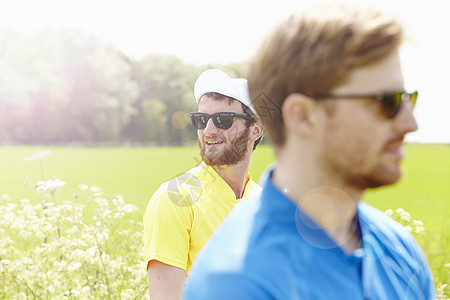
[
  {"x": 47, "y": 186},
  {"x": 440, "y": 291},
  {"x": 77, "y": 253},
  {"x": 4, "y": 198},
  {"x": 118, "y": 215},
  {"x": 5, "y": 262},
  {"x": 419, "y": 230},
  {"x": 406, "y": 216},
  {"x": 417, "y": 223},
  {"x": 73, "y": 230},
  {"x": 127, "y": 294},
  {"x": 54, "y": 238},
  {"x": 118, "y": 201},
  {"x": 91, "y": 251},
  {"x": 106, "y": 213},
  {"x": 67, "y": 207},
  {"x": 129, "y": 208},
  {"x": 95, "y": 189},
  {"x": 389, "y": 212},
  {"x": 408, "y": 228},
  {"x": 102, "y": 202},
  {"x": 400, "y": 211},
  {"x": 74, "y": 266},
  {"x": 83, "y": 187},
  {"x": 39, "y": 156},
  {"x": 11, "y": 206},
  {"x": 75, "y": 292}
]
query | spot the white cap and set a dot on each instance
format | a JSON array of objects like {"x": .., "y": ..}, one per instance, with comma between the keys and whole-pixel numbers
[{"x": 216, "y": 81}]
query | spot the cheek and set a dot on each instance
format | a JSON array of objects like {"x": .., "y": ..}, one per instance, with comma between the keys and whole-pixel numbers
[
  {"x": 233, "y": 132},
  {"x": 347, "y": 140},
  {"x": 358, "y": 139},
  {"x": 367, "y": 145}
]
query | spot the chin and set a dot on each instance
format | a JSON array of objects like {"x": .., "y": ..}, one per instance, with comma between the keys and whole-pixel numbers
[{"x": 385, "y": 178}]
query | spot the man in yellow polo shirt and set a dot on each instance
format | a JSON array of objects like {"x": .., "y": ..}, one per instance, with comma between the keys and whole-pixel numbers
[{"x": 183, "y": 212}]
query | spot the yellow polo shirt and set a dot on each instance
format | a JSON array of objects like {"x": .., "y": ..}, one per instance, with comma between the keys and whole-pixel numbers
[{"x": 183, "y": 213}]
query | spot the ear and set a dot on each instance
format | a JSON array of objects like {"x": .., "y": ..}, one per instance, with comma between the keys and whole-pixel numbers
[
  {"x": 256, "y": 130},
  {"x": 299, "y": 114}
]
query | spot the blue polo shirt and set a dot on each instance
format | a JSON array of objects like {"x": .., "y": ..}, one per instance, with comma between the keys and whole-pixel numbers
[{"x": 269, "y": 249}]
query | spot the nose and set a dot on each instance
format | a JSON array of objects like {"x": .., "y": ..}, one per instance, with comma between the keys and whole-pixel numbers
[
  {"x": 405, "y": 121},
  {"x": 210, "y": 128}
]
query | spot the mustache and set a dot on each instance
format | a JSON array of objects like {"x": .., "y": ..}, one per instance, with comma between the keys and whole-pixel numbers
[
  {"x": 213, "y": 138},
  {"x": 395, "y": 140}
]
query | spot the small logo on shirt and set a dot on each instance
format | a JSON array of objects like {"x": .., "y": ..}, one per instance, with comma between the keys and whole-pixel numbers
[{"x": 184, "y": 190}]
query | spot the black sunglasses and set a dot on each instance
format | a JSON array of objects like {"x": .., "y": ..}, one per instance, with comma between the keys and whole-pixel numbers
[
  {"x": 222, "y": 120},
  {"x": 392, "y": 102}
]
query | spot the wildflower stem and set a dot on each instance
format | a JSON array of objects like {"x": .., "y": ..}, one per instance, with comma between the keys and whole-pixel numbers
[
  {"x": 27, "y": 287},
  {"x": 41, "y": 164}
]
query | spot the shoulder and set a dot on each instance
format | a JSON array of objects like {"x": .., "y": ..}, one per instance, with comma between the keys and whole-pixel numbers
[
  {"x": 182, "y": 190},
  {"x": 255, "y": 187},
  {"x": 221, "y": 263},
  {"x": 230, "y": 240},
  {"x": 235, "y": 261},
  {"x": 232, "y": 237},
  {"x": 390, "y": 237},
  {"x": 387, "y": 232},
  {"x": 378, "y": 223},
  {"x": 389, "y": 241}
]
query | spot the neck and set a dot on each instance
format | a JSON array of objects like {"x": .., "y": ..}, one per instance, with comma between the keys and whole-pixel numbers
[
  {"x": 326, "y": 201},
  {"x": 235, "y": 176}
]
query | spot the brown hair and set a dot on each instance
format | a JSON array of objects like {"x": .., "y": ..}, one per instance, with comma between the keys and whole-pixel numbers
[{"x": 313, "y": 53}]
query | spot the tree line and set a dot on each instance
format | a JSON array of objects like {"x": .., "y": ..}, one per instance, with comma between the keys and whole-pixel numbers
[{"x": 66, "y": 87}]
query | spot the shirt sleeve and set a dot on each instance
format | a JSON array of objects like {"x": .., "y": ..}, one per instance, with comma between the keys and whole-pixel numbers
[
  {"x": 167, "y": 226},
  {"x": 224, "y": 286}
]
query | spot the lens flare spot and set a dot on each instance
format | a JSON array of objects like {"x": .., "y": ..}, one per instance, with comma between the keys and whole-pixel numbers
[{"x": 180, "y": 119}]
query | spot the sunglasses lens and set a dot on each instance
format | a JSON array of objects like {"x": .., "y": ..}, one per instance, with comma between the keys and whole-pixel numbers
[
  {"x": 413, "y": 98},
  {"x": 392, "y": 104},
  {"x": 199, "y": 121},
  {"x": 223, "y": 120}
]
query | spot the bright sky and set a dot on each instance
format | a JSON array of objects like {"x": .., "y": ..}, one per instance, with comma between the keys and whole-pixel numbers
[{"x": 211, "y": 31}]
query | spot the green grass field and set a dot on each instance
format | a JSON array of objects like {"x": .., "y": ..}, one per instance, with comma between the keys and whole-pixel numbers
[{"x": 135, "y": 173}]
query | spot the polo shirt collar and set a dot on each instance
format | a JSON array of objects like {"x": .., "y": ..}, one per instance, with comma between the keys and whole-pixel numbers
[
  {"x": 211, "y": 181},
  {"x": 283, "y": 210}
]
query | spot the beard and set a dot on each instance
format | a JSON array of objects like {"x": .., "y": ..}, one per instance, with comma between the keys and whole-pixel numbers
[
  {"x": 233, "y": 152},
  {"x": 355, "y": 164}
]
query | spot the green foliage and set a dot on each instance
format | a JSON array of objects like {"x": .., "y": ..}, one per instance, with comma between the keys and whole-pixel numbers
[
  {"x": 166, "y": 87},
  {"x": 433, "y": 246},
  {"x": 53, "y": 250},
  {"x": 62, "y": 87},
  {"x": 68, "y": 87}
]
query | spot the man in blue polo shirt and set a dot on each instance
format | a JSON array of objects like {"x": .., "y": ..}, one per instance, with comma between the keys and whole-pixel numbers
[{"x": 329, "y": 89}]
